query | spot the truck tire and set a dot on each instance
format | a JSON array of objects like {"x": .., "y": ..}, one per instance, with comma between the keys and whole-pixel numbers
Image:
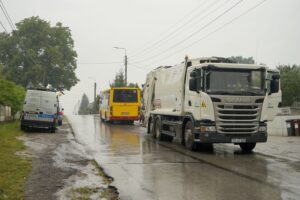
[
  {"x": 157, "y": 130},
  {"x": 151, "y": 128},
  {"x": 247, "y": 147},
  {"x": 188, "y": 136}
]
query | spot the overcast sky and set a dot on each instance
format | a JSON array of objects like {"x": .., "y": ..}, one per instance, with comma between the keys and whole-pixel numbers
[{"x": 162, "y": 32}]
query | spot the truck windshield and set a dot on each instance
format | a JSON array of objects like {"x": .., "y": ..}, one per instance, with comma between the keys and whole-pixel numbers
[
  {"x": 235, "y": 82},
  {"x": 129, "y": 96}
]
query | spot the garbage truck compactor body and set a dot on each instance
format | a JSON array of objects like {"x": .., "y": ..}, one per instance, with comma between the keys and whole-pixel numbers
[{"x": 211, "y": 100}]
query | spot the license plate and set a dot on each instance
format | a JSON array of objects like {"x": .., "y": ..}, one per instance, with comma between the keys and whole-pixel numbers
[
  {"x": 31, "y": 116},
  {"x": 125, "y": 113},
  {"x": 238, "y": 140}
]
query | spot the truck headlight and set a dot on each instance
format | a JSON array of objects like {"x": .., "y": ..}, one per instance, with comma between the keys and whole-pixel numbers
[
  {"x": 208, "y": 129},
  {"x": 262, "y": 129}
]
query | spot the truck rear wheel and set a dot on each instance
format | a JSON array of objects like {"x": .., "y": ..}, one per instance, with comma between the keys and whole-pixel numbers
[
  {"x": 247, "y": 147},
  {"x": 189, "y": 136},
  {"x": 157, "y": 129},
  {"x": 151, "y": 128}
]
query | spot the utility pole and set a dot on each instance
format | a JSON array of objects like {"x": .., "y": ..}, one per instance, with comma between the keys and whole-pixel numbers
[
  {"x": 125, "y": 62},
  {"x": 95, "y": 88},
  {"x": 125, "y": 68}
]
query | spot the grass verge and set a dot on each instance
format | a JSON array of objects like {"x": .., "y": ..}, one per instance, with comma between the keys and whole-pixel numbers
[{"x": 13, "y": 168}]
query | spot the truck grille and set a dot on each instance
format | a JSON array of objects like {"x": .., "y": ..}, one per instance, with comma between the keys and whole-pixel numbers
[{"x": 237, "y": 119}]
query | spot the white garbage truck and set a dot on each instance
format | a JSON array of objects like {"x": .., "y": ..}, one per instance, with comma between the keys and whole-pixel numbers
[{"x": 211, "y": 100}]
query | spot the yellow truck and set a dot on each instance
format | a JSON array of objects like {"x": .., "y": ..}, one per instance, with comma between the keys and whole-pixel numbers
[{"x": 120, "y": 104}]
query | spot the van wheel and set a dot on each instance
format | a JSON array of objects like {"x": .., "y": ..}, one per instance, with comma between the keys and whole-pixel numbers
[
  {"x": 52, "y": 130},
  {"x": 189, "y": 136},
  {"x": 247, "y": 147},
  {"x": 23, "y": 128}
]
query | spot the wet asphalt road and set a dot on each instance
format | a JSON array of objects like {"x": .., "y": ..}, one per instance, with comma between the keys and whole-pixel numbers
[{"x": 143, "y": 168}]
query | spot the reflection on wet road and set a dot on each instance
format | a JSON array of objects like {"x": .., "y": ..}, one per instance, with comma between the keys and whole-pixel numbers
[{"x": 146, "y": 169}]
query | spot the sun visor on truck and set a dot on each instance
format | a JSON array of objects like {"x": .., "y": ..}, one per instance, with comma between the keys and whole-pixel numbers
[{"x": 216, "y": 68}]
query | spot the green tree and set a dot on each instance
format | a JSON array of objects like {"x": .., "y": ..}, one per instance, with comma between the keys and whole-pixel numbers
[
  {"x": 83, "y": 108},
  {"x": 290, "y": 82},
  {"x": 133, "y": 85},
  {"x": 11, "y": 95},
  {"x": 119, "y": 81},
  {"x": 40, "y": 53},
  {"x": 242, "y": 60}
]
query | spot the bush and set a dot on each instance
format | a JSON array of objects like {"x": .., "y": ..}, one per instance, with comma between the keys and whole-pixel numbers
[{"x": 11, "y": 95}]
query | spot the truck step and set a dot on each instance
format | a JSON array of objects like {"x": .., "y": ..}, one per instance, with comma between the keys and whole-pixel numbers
[
  {"x": 168, "y": 133},
  {"x": 172, "y": 123}
]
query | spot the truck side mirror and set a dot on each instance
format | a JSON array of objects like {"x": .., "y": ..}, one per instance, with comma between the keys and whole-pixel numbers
[
  {"x": 193, "y": 84},
  {"x": 274, "y": 86},
  {"x": 275, "y": 76}
]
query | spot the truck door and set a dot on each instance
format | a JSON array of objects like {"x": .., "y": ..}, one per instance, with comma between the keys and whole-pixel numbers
[
  {"x": 192, "y": 98},
  {"x": 274, "y": 99}
]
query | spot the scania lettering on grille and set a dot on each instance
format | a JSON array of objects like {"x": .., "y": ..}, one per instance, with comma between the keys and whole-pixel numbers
[{"x": 238, "y": 100}]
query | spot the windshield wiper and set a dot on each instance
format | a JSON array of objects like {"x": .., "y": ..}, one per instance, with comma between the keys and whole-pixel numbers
[
  {"x": 251, "y": 93},
  {"x": 219, "y": 92}
]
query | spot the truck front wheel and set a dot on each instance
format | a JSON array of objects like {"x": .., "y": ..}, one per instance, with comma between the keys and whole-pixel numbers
[
  {"x": 247, "y": 147},
  {"x": 189, "y": 136}
]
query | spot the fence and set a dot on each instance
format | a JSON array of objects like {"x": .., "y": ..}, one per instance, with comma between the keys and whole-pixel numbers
[{"x": 5, "y": 113}]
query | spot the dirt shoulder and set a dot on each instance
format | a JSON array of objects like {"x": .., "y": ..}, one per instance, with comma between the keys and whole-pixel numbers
[{"x": 61, "y": 169}]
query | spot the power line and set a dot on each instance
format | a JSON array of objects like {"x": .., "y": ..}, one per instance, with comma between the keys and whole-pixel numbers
[
  {"x": 99, "y": 63},
  {"x": 192, "y": 34},
  {"x": 3, "y": 27},
  {"x": 170, "y": 27},
  {"x": 7, "y": 15},
  {"x": 215, "y": 30},
  {"x": 139, "y": 67},
  {"x": 181, "y": 28}
]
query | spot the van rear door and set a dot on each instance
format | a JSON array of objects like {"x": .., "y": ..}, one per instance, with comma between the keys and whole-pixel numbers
[{"x": 47, "y": 106}]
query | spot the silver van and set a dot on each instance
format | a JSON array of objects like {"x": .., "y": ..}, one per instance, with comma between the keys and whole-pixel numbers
[{"x": 39, "y": 110}]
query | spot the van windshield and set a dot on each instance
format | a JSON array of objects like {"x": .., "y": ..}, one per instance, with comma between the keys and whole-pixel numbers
[{"x": 128, "y": 96}]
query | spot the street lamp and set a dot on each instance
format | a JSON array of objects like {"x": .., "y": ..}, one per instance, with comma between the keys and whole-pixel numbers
[{"x": 125, "y": 62}]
